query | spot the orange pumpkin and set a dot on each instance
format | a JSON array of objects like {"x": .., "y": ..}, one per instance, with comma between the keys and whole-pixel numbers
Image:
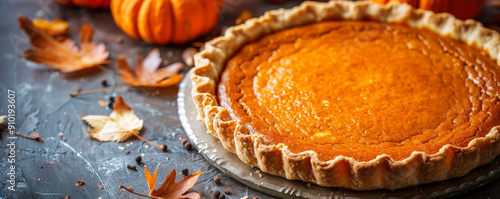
[
  {"x": 165, "y": 21},
  {"x": 462, "y": 9},
  {"x": 86, "y": 3}
]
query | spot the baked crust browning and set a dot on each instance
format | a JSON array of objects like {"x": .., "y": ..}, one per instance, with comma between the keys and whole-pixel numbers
[{"x": 341, "y": 171}]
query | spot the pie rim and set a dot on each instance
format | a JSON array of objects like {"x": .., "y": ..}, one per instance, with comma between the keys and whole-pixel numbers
[{"x": 382, "y": 172}]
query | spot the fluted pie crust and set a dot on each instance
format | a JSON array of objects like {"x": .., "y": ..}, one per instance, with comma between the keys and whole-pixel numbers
[{"x": 341, "y": 171}]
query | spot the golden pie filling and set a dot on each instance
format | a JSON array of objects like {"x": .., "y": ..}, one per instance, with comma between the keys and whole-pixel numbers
[{"x": 362, "y": 89}]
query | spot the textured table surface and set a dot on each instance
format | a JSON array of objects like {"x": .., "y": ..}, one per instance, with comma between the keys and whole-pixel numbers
[{"x": 50, "y": 169}]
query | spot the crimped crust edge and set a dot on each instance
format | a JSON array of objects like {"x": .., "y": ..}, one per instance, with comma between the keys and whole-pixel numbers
[{"x": 380, "y": 173}]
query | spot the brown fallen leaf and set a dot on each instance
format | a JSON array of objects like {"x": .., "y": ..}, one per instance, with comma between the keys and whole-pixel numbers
[
  {"x": 169, "y": 189},
  {"x": 147, "y": 73},
  {"x": 120, "y": 125},
  {"x": 100, "y": 186},
  {"x": 63, "y": 56},
  {"x": 55, "y": 27}
]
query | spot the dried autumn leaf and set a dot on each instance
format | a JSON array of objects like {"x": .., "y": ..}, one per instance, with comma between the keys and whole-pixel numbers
[
  {"x": 120, "y": 125},
  {"x": 169, "y": 189},
  {"x": 63, "y": 56},
  {"x": 2, "y": 118},
  {"x": 55, "y": 27},
  {"x": 147, "y": 73}
]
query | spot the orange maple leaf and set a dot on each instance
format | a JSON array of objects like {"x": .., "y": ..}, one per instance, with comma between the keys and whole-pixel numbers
[
  {"x": 146, "y": 73},
  {"x": 169, "y": 189},
  {"x": 63, "y": 56}
]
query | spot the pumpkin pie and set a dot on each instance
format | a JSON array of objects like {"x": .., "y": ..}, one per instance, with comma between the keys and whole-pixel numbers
[{"x": 354, "y": 94}]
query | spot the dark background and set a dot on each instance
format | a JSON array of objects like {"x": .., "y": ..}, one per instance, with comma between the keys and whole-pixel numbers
[{"x": 50, "y": 169}]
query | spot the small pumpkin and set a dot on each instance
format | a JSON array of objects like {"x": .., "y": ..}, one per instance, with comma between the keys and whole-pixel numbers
[
  {"x": 462, "y": 9},
  {"x": 165, "y": 21},
  {"x": 86, "y": 3}
]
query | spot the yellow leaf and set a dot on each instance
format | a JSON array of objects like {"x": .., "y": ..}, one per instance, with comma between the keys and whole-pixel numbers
[
  {"x": 63, "y": 56},
  {"x": 146, "y": 73},
  {"x": 55, "y": 27},
  {"x": 120, "y": 125}
]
